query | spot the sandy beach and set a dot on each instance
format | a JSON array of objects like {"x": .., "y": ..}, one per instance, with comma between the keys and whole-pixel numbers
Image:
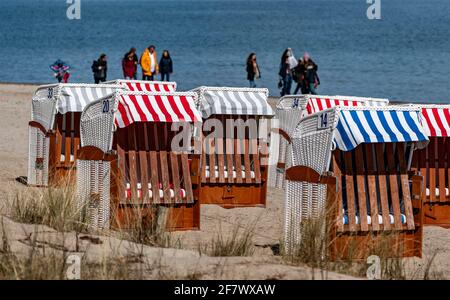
[{"x": 263, "y": 264}]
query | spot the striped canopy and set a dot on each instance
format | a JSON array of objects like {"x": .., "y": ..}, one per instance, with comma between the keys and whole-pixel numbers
[
  {"x": 155, "y": 107},
  {"x": 319, "y": 103},
  {"x": 365, "y": 125},
  {"x": 436, "y": 120},
  {"x": 233, "y": 101},
  {"x": 75, "y": 97},
  {"x": 146, "y": 86}
]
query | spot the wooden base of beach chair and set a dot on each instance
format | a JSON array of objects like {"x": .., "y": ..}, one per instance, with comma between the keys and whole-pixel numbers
[
  {"x": 233, "y": 196},
  {"x": 179, "y": 217},
  {"x": 433, "y": 163},
  {"x": 437, "y": 214},
  {"x": 359, "y": 246}
]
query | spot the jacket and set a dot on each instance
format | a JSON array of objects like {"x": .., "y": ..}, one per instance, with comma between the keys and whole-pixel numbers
[
  {"x": 128, "y": 67},
  {"x": 311, "y": 72},
  {"x": 165, "y": 65},
  {"x": 99, "y": 68},
  {"x": 146, "y": 63}
]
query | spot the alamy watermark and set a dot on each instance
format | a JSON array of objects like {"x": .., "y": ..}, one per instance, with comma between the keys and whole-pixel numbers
[
  {"x": 73, "y": 9},
  {"x": 374, "y": 10},
  {"x": 73, "y": 271},
  {"x": 374, "y": 270}
]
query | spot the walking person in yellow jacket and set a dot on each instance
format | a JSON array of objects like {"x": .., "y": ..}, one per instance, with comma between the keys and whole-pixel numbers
[{"x": 149, "y": 63}]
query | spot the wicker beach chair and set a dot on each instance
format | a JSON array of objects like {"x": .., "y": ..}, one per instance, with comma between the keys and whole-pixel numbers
[
  {"x": 289, "y": 112},
  {"x": 130, "y": 161},
  {"x": 235, "y": 145},
  {"x": 433, "y": 163},
  {"x": 145, "y": 86},
  {"x": 54, "y": 132},
  {"x": 352, "y": 169}
]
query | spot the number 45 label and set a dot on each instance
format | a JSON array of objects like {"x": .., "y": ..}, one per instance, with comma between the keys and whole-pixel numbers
[{"x": 324, "y": 121}]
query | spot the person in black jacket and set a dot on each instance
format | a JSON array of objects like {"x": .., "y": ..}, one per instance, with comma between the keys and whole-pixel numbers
[
  {"x": 100, "y": 68},
  {"x": 165, "y": 66},
  {"x": 252, "y": 70},
  {"x": 311, "y": 78}
]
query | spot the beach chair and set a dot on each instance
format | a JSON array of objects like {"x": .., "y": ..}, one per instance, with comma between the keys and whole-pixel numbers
[
  {"x": 352, "y": 169},
  {"x": 131, "y": 160},
  {"x": 145, "y": 86},
  {"x": 54, "y": 133},
  {"x": 433, "y": 163},
  {"x": 235, "y": 146},
  {"x": 289, "y": 111}
]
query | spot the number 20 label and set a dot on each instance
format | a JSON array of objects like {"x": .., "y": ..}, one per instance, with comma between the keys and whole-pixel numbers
[{"x": 105, "y": 106}]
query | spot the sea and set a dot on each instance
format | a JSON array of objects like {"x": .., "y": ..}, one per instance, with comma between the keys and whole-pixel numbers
[{"x": 400, "y": 51}]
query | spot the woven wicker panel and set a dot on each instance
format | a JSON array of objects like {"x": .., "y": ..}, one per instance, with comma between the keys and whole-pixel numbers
[
  {"x": 43, "y": 106},
  {"x": 38, "y": 152},
  {"x": 93, "y": 183},
  {"x": 96, "y": 126}
]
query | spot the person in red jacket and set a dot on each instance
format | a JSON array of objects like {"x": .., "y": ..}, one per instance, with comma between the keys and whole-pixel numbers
[{"x": 129, "y": 64}]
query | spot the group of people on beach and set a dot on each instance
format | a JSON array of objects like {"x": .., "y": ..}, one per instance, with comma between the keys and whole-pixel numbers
[
  {"x": 302, "y": 71},
  {"x": 130, "y": 62}
]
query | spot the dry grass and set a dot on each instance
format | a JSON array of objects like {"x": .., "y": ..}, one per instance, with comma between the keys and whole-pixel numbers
[
  {"x": 150, "y": 231},
  {"x": 238, "y": 243},
  {"x": 313, "y": 249},
  {"x": 54, "y": 206}
]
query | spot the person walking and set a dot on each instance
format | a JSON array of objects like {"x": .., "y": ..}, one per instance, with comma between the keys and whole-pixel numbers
[
  {"x": 165, "y": 66},
  {"x": 149, "y": 64},
  {"x": 60, "y": 71},
  {"x": 100, "y": 69},
  {"x": 288, "y": 62},
  {"x": 252, "y": 70},
  {"x": 129, "y": 64},
  {"x": 311, "y": 80},
  {"x": 298, "y": 75}
]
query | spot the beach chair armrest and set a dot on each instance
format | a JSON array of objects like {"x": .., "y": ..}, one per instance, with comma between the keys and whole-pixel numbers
[
  {"x": 307, "y": 174},
  {"x": 94, "y": 153},
  {"x": 38, "y": 126},
  {"x": 283, "y": 133}
]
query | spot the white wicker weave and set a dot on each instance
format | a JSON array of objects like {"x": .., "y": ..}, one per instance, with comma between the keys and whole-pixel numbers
[{"x": 288, "y": 112}]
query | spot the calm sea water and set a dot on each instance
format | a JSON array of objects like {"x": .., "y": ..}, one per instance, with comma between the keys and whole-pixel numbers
[{"x": 403, "y": 56}]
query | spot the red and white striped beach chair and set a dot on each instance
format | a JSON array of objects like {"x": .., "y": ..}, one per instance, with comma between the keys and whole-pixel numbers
[
  {"x": 433, "y": 163},
  {"x": 131, "y": 159}
]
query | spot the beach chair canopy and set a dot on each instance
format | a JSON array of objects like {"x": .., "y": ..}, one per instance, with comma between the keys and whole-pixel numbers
[
  {"x": 145, "y": 86},
  {"x": 156, "y": 107},
  {"x": 318, "y": 103},
  {"x": 354, "y": 126},
  {"x": 123, "y": 108},
  {"x": 65, "y": 97},
  {"x": 436, "y": 120},
  {"x": 232, "y": 101}
]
